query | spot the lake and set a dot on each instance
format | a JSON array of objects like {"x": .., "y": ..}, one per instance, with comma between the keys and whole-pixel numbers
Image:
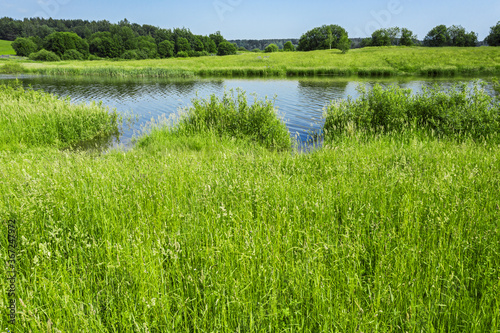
[{"x": 299, "y": 101}]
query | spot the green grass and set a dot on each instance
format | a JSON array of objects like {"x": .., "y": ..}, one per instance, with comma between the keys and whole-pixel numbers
[
  {"x": 380, "y": 61},
  {"x": 194, "y": 231},
  {"x": 6, "y": 48},
  {"x": 31, "y": 118}
]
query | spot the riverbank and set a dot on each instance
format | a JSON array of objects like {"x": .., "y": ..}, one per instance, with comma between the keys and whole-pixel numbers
[
  {"x": 376, "y": 62},
  {"x": 213, "y": 225}
]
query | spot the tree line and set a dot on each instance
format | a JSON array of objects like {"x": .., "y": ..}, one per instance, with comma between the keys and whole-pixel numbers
[
  {"x": 80, "y": 39},
  {"x": 54, "y": 39}
]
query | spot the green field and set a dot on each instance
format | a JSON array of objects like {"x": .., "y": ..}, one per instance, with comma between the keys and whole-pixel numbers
[
  {"x": 6, "y": 48},
  {"x": 380, "y": 61},
  {"x": 222, "y": 226}
]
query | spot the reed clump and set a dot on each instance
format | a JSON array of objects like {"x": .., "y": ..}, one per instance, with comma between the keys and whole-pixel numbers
[{"x": 30, "y": 118}]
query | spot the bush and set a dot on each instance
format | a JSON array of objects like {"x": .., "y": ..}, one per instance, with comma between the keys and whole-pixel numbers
[
  {"x": 166, "y": 49},
  {"x": 456, "y": 112},
  {"x": 130, "y": 55},
  {"x": 288, "y": 47},
  {"x": 182, "y": 54},
  {"x": 271, "y": 48},
  {"x": 226, "y": 48},
  {"x": 256, "y": 50},
  {"x": 94, "y": 57},
  {"x": 44, "y": 55},
  {"x": 232, "y": 116},
  {"x": 12, "y": 68},
  {"x": 493, "y": 38},
  {"x": 73, "y": 55},
  {"x": 24, "y": 46}
]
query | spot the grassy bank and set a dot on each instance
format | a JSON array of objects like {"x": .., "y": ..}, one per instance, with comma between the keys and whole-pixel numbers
[
  {"x": 381, "y": 61},
  {"x": 6, "y": 48},
  {"x": 31, "y": 118},
  {"x": 200, "y": 229}
]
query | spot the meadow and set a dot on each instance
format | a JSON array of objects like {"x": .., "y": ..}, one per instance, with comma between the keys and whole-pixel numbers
[
  {"x": 6, "y": 48},
  {"x": 371, "y": 61},
  {"x": 211, "y": 226}
]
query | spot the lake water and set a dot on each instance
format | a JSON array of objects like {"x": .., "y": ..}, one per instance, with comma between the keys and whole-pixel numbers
[{"x": 299, "y": 101}]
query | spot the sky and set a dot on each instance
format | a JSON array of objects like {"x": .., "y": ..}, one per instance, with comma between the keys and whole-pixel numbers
[{"x": 270, "y": 19}]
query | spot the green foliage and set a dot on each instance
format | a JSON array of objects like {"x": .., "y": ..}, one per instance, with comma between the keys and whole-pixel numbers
[
  {"x": 217, "y": 38},
  {"x": 460, "y": 112},
  {"x": 44, "y": 55},
  {"x": 226, "y": 48},
  {"x": 344, "y": 44},
  {"x": 381, "y": 38},
  {"x": 105, "y": 46},
  {"x": 271, "y": 48},
  {"x": 182, "y": 45},
  {"x": 257, "y": 50},
  {"x": 182, "y": 54},
  {"x": 166, "y": 49},
  {"x": 73, "y": 54},
  {"x": 452, "y": 36},
  {"x": 320, "y": 38},
  {"x": 60, "y": 42},
  {"x": 407, "y": 37},
  {"x": 242, "y": 49},
  {"x": 493, "y": 38},
  {"x": 232, "y": 116},
  {"x": 288, "y": 47},
  {"x": 31, "y": 118},
  {"x": 24, "y": 46}
]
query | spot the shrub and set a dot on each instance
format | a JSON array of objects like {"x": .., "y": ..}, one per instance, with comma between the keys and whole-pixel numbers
[
  {"x": 271, "y": 48},
  {"x": 12, "y": 68},
  {"x": 24, "y": 46},
  {"x": 130, "y": 55},
  {"x": 182, "y": 54},
  {"x": 44, "y": 55},
  {"x": 73, "y": 55},
  {"x": 166, "y": 49},
  {"x": 256, "y": 50},
  {"x": 288, "y": 47}
]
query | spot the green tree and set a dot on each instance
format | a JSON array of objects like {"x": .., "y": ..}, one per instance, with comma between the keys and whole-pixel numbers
[
  {"x": 344, "y": 44},
  {"x": 44, "y": 55},
  {"x": 24, "y": 46},
  {"x": 60, "y": 42},
  {"x": 438, "y": 36},
  {"x": 226, "y": 48},
  {"x": 217, "y": 38},
  {"x": 166, "y": 49},
  {"x": 320, "y": 38},
  {"x": 210, "y": 45},
  {"x": 182, "y": 45},
  {"x": 104, "y": 45},
  {"x": 493, "y": 38},
  {"x": 381, "y": 37},
  {"x": 271, "y": 48},
  {"x": 288, "y": 47}
]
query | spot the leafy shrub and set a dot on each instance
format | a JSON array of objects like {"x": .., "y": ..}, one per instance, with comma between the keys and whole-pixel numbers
[
  {"x": 182, "y": 54},
  {"x": 256, "y": 50},
  {"x": 226, "y": 48},
  {"x": 458, "y": 111},
  {"x": 166, "y": 49},
  {"x": 288, "y": 47},
  {"x": 44, "y": 55},
  {"x": 72, "y": 54},
  {"x": 232, "y": 116},
  {"x": 94, "y": 57}
]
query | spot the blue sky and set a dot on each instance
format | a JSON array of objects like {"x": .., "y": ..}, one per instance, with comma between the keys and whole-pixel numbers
[{"x": 259, "y": 19}]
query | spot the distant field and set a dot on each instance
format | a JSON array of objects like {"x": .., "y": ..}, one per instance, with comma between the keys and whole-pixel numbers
[
  {"x": 6, "y": 48},
  {"x": 380, "y": 61}
]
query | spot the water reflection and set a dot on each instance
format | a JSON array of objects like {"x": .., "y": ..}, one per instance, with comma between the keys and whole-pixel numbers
[{"x": 299, "y": 101}]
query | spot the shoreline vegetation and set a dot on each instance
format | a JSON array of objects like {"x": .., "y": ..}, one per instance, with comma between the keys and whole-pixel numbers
[
  {"x": 366, "y": 62},
  {"x": 391, "y": 225}
]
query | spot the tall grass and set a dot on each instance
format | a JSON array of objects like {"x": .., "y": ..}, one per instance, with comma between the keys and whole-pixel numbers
[
  {"x": 232, "y": 116},
  {"x": 460, "y": 112},
  {"x": 194, "y": 230},
  {"x": 31, "y": 118}
]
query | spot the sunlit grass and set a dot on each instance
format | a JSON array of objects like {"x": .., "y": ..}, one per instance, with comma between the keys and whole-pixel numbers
[
  {"x": 6, "y": 48},
  {"x": 194, "y": 231},
  {"x": 31, "y": 118},
  {"x": 381, "y": 61}
]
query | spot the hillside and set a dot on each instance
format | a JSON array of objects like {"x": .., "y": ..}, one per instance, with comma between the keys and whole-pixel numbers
[{"x": 6, "y": 48}]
